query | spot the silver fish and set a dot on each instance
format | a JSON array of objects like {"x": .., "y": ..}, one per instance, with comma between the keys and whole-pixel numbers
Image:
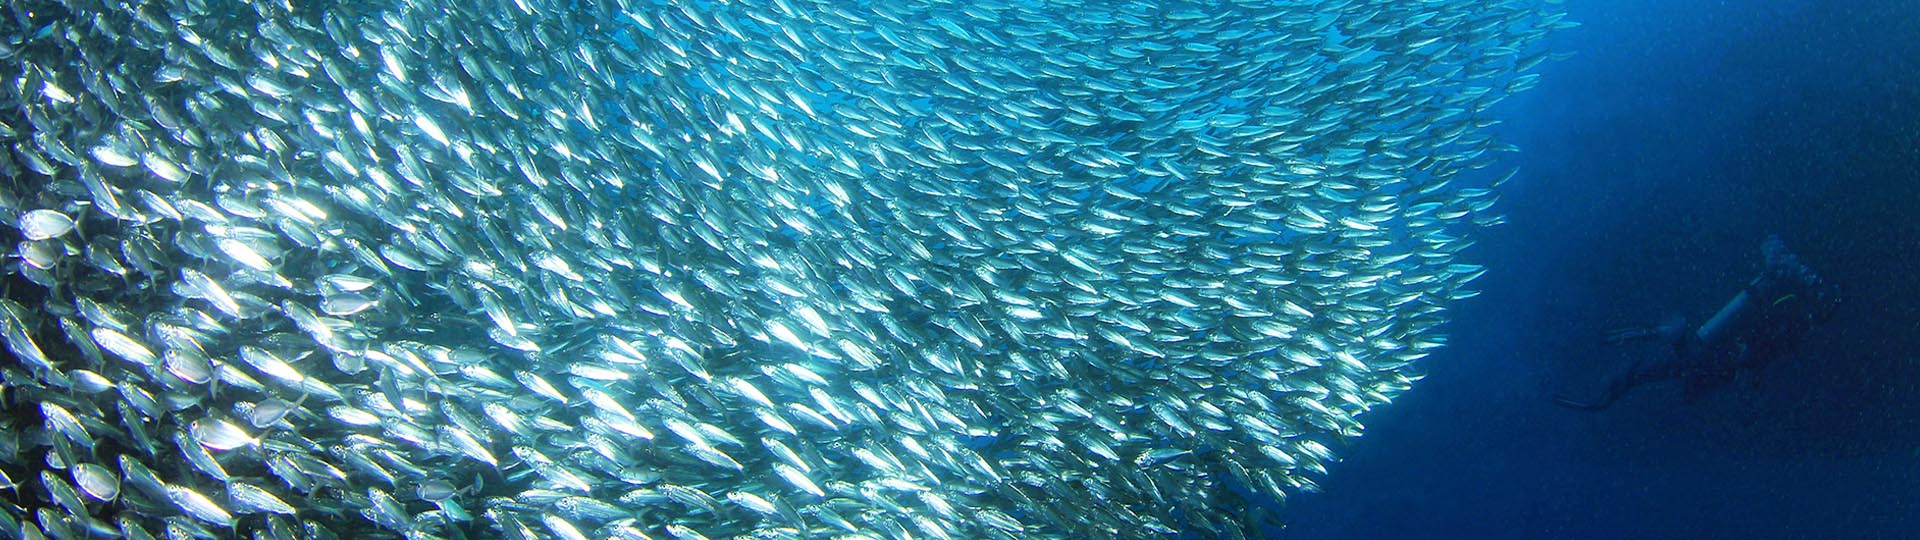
[
  {"x": 44, "y": 224},
  {"x": 773, "y": 268}
]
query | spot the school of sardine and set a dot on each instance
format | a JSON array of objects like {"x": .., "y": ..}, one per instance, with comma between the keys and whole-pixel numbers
[{"x": 710, "y": 269}]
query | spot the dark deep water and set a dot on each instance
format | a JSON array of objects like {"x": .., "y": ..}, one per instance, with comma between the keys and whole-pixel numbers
[{"x": 1653, "y": 163}]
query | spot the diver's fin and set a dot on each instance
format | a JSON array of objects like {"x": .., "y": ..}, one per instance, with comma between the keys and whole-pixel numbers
[{"x": 1624, "y": 335}]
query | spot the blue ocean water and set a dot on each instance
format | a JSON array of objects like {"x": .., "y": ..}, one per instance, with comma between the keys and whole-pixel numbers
[
  {"x": 1655, "y": 161},
  {"x": 1653, "y": 164}
]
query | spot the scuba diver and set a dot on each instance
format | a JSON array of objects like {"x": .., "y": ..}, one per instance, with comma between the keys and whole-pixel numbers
[{"x": 1763, "y": 323}]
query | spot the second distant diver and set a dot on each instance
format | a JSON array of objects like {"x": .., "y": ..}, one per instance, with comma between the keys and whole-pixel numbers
[{"x": 1763, "y": 323}]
